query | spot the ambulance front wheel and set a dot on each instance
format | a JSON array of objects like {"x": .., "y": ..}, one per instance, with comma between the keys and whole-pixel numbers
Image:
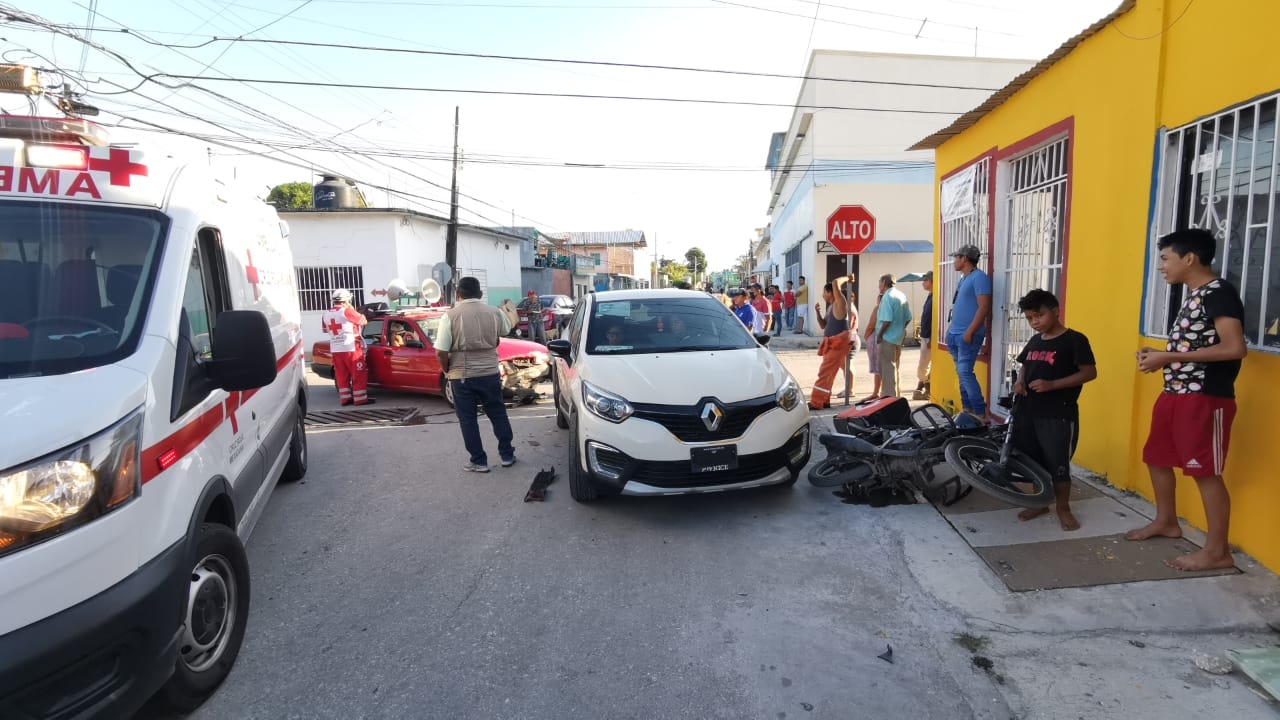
[{"x": 214, "y": 615}]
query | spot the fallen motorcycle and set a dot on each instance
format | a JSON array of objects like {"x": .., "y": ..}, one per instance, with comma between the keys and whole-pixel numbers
[{"x": 870, "y": 457}]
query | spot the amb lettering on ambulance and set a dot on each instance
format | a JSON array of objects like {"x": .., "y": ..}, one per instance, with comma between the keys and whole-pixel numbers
[{"x": 152, "y": 394}]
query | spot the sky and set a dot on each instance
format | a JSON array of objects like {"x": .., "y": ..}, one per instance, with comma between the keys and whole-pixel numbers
[{"x": 687, "y": 174}]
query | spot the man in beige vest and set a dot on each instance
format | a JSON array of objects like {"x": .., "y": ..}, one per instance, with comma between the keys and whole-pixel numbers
[{"x": 467, "y": 346}]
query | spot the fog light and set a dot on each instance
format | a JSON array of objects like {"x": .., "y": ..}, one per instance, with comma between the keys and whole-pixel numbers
[{"x": 803, "y": 448}]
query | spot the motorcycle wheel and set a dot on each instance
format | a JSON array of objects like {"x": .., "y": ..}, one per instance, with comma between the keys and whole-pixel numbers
[
  {"x": 839, "y": 470},
  {"x": 1022, "y": 482}
]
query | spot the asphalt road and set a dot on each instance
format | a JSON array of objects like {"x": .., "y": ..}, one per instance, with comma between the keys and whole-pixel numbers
[{"x": 390, "y": 584}]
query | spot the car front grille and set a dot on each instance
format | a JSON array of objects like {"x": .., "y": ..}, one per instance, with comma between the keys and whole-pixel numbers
[
  {"x": 685, "y": 421},
  {"x": 676, "y": 474}
]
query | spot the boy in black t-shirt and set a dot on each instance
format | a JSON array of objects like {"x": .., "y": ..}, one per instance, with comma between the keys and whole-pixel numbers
[{"x": 1055, "y": 364}]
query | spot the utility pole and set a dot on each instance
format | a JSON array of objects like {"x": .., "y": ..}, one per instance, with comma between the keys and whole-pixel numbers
[
  {"x": 654, "y": 282},
  {"x": 451, "y": 239}
]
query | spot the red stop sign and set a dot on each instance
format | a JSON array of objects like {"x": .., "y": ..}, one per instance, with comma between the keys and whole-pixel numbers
[{"x": 850, "y": 229}]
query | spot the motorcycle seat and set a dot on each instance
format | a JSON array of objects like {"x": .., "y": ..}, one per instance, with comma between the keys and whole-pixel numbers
[{"x": 846, "y": 443}]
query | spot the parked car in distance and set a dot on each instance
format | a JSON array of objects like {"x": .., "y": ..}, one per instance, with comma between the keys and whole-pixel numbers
[
  {"x": 557, "y": 310},
  {"x": 400, "y": 355},
  {"x": 664, "y": 392}
]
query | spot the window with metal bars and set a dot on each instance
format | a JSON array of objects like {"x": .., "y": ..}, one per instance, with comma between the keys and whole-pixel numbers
[
  {"x": 316, "y": 285},
  {"x": 965, "y": 200},
  {"x": 1220, "y": 173}
]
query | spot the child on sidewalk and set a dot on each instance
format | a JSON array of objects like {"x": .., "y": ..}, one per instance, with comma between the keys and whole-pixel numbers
[{"x": 1055, "y": 363}]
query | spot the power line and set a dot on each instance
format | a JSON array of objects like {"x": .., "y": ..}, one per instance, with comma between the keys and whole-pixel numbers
[
  {"x": 576, "y": 96},
  {"x": 903, "y": 17},
  {"x": 524, "y": 58}
]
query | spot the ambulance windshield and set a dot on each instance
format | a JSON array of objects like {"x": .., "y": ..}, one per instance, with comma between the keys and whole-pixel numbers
[{"x": 75, "y": 284}]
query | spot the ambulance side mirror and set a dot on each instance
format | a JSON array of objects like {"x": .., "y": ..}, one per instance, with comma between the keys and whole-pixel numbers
[{"x": 244, "y": 355}]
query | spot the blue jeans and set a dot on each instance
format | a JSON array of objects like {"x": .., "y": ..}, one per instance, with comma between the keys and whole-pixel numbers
[
  {"x": 790, "y": 314},
  {"x": 485, "y": 391},
  {"x": 777, "y": 322},
  {"x": 965, "y": 355}
]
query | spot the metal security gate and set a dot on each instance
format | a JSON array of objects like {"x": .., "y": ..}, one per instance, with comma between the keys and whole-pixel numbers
[
  {"x": 966, "y": 219},
  {"x": 1029, "y": 250}
]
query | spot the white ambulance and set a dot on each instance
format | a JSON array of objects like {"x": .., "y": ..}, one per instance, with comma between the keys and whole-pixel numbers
[{"x": 151, "y": 396}]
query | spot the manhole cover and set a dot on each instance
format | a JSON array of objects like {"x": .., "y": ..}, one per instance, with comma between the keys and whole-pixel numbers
[{"x": 363, "y": 416}]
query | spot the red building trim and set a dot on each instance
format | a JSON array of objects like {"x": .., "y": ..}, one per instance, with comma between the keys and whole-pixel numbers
[
  {"x": 1065, "y": 127},
  {"x": 939, "y": 332}
]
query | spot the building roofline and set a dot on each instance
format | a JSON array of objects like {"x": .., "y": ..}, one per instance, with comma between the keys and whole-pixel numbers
[
  {"x": 971, "y": 118},
  {"x": 398, "y": 211}
]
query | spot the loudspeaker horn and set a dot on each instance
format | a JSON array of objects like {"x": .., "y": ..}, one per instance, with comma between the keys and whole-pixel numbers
[
  {"x": 396, "y": 289},
  {"x": 431, "y": 291}
]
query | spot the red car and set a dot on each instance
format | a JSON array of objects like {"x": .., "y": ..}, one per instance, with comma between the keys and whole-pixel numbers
[{"x": 398, "y": 348}]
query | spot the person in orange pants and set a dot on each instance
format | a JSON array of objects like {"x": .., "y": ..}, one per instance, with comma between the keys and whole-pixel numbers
[
  {"x": 350, "y": 371},
  {"x": 834, "y": 347}
]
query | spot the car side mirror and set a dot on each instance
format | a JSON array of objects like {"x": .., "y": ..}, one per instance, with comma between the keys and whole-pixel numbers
[
  {"x": 560, "y": 347},
  {"x": 244, "y": 355},
  {"x": 762, "y": 338}
]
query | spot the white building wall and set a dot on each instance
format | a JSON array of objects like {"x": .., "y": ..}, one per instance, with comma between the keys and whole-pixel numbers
[
  {"x": 497, "y": 256},
  {"x": 873, "y": 265},
  {"x": 367, "y": 240},
  {"x": 862, "y": 135},
  {"x": 394, "y": 245}
]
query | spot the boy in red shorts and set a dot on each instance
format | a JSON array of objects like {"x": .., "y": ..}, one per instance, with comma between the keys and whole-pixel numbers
[{"x": 1191, "y": 420}]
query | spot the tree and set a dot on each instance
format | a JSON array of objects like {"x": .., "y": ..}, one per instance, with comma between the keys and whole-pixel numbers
[
  {"x": 291, "y": 196},
  {"x": 696, "y": 261},
  {"x": 676, "y": 272}
]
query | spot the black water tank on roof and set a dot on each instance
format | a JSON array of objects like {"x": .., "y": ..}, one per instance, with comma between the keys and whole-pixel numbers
[{"x": 335, "y": 192}]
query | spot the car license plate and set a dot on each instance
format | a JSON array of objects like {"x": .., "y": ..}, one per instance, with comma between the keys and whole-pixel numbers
[{"x": 714, "y": 459}]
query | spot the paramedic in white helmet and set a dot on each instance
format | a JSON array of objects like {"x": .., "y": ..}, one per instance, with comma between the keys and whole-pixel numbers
[{"x": 350, "y": 372}]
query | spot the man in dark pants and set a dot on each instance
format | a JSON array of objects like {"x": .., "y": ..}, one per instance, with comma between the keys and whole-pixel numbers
[
  {"x": 467, "y": 346},
  {"x": 925, "y": 367}
]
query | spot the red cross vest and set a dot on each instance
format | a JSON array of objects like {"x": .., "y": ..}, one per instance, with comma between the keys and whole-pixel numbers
[{"x": 343, "y": 325}]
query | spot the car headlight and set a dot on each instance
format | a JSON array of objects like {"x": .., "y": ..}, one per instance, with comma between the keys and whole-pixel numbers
[
  {"x": 66, "y": 489},
  {"x": 605, "y": 404},
  {"x": 788, "y": 396}
]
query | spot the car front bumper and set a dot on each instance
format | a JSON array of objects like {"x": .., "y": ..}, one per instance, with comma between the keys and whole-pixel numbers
[{"x": 635, "y": 470}]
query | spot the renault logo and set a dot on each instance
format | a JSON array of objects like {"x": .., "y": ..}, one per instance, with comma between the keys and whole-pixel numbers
[{"x": 712, "y": 416}]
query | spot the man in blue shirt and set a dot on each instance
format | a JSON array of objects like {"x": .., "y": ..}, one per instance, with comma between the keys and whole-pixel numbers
[
  {"x": 741, "y": 308},
  {"x": 891, "y": 331},
  {"x": 970, "y": 311}
]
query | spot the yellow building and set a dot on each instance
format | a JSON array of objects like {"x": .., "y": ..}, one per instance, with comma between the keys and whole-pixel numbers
[{"x": 1161, "y": 115}]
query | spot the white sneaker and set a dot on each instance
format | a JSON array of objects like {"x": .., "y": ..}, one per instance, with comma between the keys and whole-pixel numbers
[{"x": 473, "y": 467}]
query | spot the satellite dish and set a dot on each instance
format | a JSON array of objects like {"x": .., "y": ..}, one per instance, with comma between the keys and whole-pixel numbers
[
  {"x": 396, "y": 289},
  {"x": 442, "y": 273},
  {"x": 431, "y": 291}
]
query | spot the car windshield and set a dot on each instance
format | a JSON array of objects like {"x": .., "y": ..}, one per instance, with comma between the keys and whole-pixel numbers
[
  {"x": 75, "y": 284},
  {"x": 696, "y": 323}
]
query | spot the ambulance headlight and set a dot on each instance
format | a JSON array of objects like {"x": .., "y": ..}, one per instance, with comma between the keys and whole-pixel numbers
[{"x": 71, "y": 487}]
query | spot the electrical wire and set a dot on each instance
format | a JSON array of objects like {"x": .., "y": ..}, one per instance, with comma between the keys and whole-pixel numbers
[
  {"x": 577, "y": 96},
  {"x": 525, "y": 58}
]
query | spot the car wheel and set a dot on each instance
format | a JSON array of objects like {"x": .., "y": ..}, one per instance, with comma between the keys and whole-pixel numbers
[
  {"x": 580, "y": 487},
  {"x": 214, "y": 615},
  {"x": 296, "y": 468},
  {"x": 448, "y": 390},
  {"x": 562, "y": 420}
]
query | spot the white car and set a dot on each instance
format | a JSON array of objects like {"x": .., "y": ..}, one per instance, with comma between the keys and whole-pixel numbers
[{"x": 666, "y": 393}]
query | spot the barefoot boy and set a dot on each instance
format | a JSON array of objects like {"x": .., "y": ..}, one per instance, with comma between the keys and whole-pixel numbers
[
  {"x": 1054, "y": 365},
  {"x": 1191, "y": 420}
]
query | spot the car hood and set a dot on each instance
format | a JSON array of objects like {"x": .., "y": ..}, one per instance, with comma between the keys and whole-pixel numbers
[
  {"x": 511, "y": 348},
  {"x": 39, "y": 415},
  {"x": 685, "y": 378}
]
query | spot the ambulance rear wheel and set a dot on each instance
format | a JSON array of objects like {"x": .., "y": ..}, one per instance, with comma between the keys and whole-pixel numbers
[{"x": 213, "y": 617}]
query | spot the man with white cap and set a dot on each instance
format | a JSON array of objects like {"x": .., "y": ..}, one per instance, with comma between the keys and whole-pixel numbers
[{"x": 350, "y": 372}]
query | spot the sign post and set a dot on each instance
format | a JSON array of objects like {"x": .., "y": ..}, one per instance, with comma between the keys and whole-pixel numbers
[{"x": 850, "y": 230}]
